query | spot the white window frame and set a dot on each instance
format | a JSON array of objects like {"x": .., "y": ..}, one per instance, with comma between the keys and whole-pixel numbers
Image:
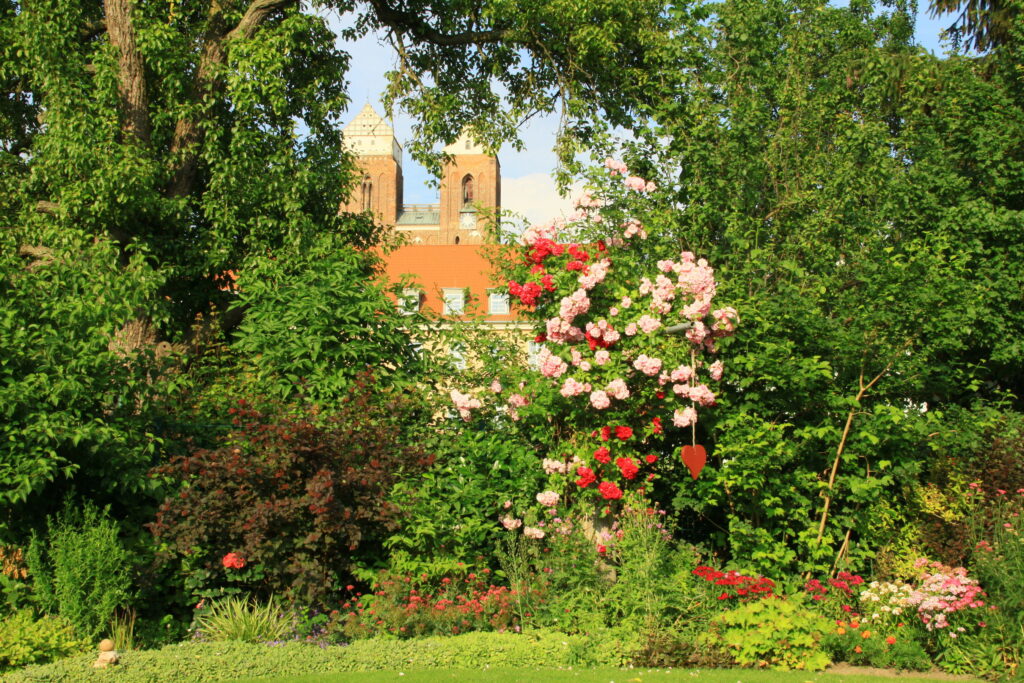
[
  {"x": 450, "y": 295},
  {"x": 409, "y": 302},
  {"x": 533, "y": 349},
  {"x": 503, "y": 298}
]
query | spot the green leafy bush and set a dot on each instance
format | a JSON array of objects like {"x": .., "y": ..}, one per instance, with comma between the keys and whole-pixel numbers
[
  {"x": 450, "y": 514},
  {"x": 775, "y": 633},
  {"x": 316, "y": 316},
  {"x": 887, "y": 647},
  {"x": 26, "y": 640},
  {"x": 81, "y": 571},
  {"x": 76, "y": 390},
  {"x": 244, "y": 620},
  {"x": 289, "y": 505}
]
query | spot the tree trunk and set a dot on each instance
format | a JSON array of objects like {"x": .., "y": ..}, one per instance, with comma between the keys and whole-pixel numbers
[{"x": 131, "y": 74}]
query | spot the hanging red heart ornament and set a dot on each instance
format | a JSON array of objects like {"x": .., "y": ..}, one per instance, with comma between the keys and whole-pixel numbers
[{"x": 694, "y": 457}]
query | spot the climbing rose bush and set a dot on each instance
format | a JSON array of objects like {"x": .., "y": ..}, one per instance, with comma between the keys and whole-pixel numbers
[{"x": 627, "y": 334}]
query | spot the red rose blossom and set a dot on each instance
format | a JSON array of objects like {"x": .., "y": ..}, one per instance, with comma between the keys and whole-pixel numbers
[
  {"x": 623, "y": 432},
  {"x": 627, "y": 466},
  {"x": 233, "y": 561},
  {"x": 609, "y": 490},
  {"x": 603, "y": 455},
  {"x": 586, "y": 477}
]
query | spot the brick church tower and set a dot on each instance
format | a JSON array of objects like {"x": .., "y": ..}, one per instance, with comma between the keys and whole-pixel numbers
[
  {"x": 451, "y": 274},
  {"x": 380, "y": 159},
  {"x": 471, "y": 181}
]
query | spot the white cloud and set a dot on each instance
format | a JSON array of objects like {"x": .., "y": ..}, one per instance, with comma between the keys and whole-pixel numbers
[{"x": 536, "y": 197}]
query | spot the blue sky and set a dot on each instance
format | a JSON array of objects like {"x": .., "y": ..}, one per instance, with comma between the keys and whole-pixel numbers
[{"x": 526, "y": 185}]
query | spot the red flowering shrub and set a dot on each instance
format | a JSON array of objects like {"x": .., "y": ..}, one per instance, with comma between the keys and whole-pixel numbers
[
  {"x": 297, "y": 499},
  {"x": 736, "y": 586},
  {"x": 407, "y": 607}
]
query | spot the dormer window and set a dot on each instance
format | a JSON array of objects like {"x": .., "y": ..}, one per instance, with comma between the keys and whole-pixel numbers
[
  {"x": 454, "y": 300},
  {"x": 409, "y": 302}
]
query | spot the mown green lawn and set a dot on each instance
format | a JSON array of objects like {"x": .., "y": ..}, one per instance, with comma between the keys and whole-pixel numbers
[{"x": 597, "y": 675}]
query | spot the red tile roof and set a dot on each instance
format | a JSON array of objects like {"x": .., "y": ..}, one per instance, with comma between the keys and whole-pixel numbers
[{"x": 437, "y": 267}]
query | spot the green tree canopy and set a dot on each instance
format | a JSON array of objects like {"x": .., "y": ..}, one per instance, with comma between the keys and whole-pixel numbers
[
  {"x": 148, "y": 149},
  {"x": 861, "y": 202}
]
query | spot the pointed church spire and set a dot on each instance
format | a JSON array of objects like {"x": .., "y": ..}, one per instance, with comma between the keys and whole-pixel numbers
[{"x": 368, "y": 134}]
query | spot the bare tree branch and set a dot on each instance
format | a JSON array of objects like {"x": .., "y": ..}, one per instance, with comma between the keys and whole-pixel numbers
[
  {"x": 400, "y": 21},
  {"x": 187, "y": 134},
  {"x": 92, "y": 29},
  {"x": 255, "y": 15}
]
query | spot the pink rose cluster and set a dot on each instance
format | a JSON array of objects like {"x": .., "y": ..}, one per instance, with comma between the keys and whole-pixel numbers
[
  {"x": 548, "y": 499},
  {"x": 464, "y": 403},
  {"x": 571, "y": 387},
  {"x": 551, "y": 365},
  {"x": 647, "y": 365}
]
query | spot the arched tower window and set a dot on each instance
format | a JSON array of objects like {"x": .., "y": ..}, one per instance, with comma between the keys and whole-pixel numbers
[
  {"x": 467, "y": 190},
  {"x": 367, "y": 193}
]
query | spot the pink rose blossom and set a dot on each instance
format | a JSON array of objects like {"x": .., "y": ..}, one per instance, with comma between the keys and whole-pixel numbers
[
  {"x": 464, "y": 403},
  {"x": 647, "y": 365},
  {"x": 599, "y": 400},
  {"x": 550, "y": 364},
  {"x": 602, "y": 356},
  {"x": 636, "y": 183},
  {"x": 554, "y": 467},
  {"x": 511, "y": 523},
  {"x": 571, "y": 387},
  {"x": 702, "y": 395},
  {"x": 533, "y": 532},
  {"x": 648, "y": 324},
  {"x": 682, "y": 374},
  {"x": 685, "y": 417},
  {"x": 716, "y": 370},
  {"x": 615, "y": 167},
  {"x": 697, "y": 333},
  {"x": 617, "y": 389},
  {"x": 548, "y": 499},
  {"x": 631, "y": 330}
]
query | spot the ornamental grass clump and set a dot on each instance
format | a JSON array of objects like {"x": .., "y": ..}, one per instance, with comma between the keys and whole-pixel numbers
[{"x": 244, "y": 620}]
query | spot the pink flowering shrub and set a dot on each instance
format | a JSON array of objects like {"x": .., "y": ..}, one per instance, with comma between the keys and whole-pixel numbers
[
  {"x": 946, "y": 593},
  {"x": 627, "y": 346}
]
